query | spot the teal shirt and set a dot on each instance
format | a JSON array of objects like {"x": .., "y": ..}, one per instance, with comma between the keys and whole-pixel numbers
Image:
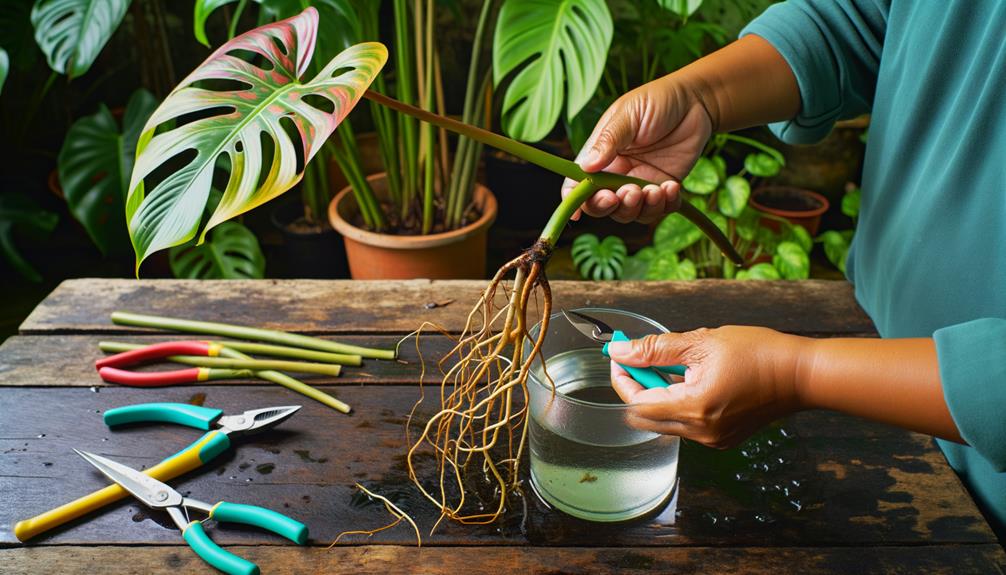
[{"x": 929, "y": 256}]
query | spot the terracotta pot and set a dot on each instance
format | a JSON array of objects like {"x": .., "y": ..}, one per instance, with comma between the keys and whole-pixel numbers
[
  {"x": 457, "y": 254},
  {"x": 798, "y": 206}
]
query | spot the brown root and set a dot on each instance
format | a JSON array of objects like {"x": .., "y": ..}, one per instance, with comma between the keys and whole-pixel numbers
[{"x": 479, "y": 434}]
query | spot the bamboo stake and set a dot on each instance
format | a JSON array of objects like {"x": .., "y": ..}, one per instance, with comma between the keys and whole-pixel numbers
[{"x": 250, "y": 333}]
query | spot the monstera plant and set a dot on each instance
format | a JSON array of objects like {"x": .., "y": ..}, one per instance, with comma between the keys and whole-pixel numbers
[{"x": 72, "y": 33}]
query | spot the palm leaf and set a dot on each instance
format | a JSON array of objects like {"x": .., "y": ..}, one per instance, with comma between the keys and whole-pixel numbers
[
  {"x": 72, "y": 33},
  {"x": 564, "y": 44},
  {"x": 270, "y": 104}
]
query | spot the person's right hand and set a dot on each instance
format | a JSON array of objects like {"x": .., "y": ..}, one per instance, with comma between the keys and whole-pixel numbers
[{"x": 655, "y": 132}]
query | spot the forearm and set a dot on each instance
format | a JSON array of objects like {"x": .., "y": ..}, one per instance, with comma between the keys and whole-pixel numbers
[
  {"x": 747, "y": 83},
  {"x": 895, "y": 381}
]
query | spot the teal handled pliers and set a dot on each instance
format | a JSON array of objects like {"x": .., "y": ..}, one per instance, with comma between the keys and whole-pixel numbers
[
  {"x": 597, "y": 330},
  {"x": 219, "y": 430},
  {"x": 158, "y": 495}
]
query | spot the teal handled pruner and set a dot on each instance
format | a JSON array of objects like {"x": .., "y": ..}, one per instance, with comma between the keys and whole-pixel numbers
[
  {"x": 220, "y": 429},
  {"x": 158, "y": 495},
  {"x": 597, "y": 330}
]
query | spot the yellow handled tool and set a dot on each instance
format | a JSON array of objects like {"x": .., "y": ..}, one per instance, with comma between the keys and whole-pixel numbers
[{"x": 213, "y": 443}]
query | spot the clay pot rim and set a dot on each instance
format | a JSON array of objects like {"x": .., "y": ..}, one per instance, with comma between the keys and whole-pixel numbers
[
  {"x": 415, "y": 242},
  {"x": 818, "y": 211}
]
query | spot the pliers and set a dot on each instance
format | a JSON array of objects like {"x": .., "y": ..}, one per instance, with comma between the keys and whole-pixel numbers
[
  {"x": 217, "y": 439},
  {"x": 108, "y": 367},
  {"x": 158, "y": 495}
]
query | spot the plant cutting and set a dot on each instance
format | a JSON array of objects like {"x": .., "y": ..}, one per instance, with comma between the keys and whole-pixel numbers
[
  {"x": 837, "y": 242},
  {"x": 247, "y": 109}
]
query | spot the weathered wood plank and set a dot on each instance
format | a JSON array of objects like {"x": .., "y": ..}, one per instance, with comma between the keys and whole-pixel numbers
[
  {"x": 384, "y": 559},
  {"x": 68, "y": 360},
  {"x": 856, "y": 483},
  {"x": 316, "y": 306}
]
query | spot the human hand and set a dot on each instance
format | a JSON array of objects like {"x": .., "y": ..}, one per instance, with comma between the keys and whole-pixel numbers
[
  {"x": 655, "y": 132},
  {"x": 738, "y": 380}
]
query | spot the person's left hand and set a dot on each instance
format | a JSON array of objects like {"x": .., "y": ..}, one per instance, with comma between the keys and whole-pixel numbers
[{"x": 738, "y": 380}]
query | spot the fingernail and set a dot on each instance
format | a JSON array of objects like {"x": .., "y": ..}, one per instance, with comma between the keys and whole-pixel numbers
[
  {"x": 590, "y": 158},
  {"x": 631, "y": 200},
  {"x": 605, "y": 203},
  {"x": 619, "y": 348}
]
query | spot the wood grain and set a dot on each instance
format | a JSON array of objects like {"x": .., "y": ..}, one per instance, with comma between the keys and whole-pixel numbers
[
  {"x": 856, "y": 483},
  {"x": 318, "y": 306},
  {"x": 385, "y": 559}
]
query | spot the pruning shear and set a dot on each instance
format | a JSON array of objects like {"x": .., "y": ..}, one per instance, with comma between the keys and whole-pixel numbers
[
  {"x": 217, "y": 439},
  {"x": 108, "y": 367},
  {"x": 597, "y": 330},
  {"x": 158, "y": 495}
]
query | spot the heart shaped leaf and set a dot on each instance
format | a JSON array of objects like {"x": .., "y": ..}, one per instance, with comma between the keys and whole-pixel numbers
[
  {"x": 94, "y": 166},
  {"x": 683, "y": 8},
  {"x": 231, "y": 252},
  {"x": 762, "y": 271},
  {"x": 675, "y": 233},
  {"x": 564, "y": 44},
  {"x": 791, "y": 261},
  {"x": 761, "y": 165},
  {"x": 733, "y": 196},
  {"x": 264, "y": 122},
  {"x": 703, "y": 179},
  {"x": 72, "y": 33}
]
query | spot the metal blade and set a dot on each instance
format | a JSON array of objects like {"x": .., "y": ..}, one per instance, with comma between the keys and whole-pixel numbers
[
  {"x": 150, "y": 491},
  {"x": 591, "y": 327},
  {"x": 256, "y": 419}
]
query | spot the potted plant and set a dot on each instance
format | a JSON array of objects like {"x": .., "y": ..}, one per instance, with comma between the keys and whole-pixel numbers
[{"x": 778, "y": 249}]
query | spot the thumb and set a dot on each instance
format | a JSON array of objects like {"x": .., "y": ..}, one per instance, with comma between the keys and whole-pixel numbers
[
  {"x": 663, "y": 349},
  {"x": 613, "y": 132}
]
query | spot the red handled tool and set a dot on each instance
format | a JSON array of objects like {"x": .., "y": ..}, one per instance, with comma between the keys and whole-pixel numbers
[{"x": 108, "y": 367}]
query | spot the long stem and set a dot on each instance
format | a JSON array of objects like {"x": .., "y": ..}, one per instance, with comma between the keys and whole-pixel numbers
[
  {"x": 557, "y": 165},
  {"x": 557, "y": 223},
  {"x": 242, "y": 332},
  {"x": 430, "y": 157},
  {"x": 268, "y": 375},
  {"x": 407, "y": 128}
]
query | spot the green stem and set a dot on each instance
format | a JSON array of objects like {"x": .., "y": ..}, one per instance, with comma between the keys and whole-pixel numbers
[
  {"x": 242, "y": 332},
  {"x": 407, "y": 128},
  {"x": 555, "y": 164},
  {"x": 776, "y": 154},
  {"x": 427, "y": 128},
  {"x": 268, "y": 375},
  {"x": 557, "y": 223},
  {"x": 232, "y": 28}
]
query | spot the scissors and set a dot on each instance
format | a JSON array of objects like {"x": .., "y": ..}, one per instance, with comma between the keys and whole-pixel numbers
[
  {"x": 158, "y": 495},
  {"x": 597, "y": 330},
  {"x": 220, "y": 429},
  {"x": 108, "y": 367}
]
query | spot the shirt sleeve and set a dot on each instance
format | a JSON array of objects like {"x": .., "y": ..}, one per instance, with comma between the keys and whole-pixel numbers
[
  {"x": 833, "y": 48},
  {"x": 972, "y": 358}
]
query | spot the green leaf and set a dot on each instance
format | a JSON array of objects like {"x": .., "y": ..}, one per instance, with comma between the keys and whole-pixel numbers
[
  {"x": 202, "y": 11},
  {"x": 253, "y": 105},
  {"x": 836, "y": 247},
  {"x": 850, "y": 201},
  {"x": 683, "y": 8},
  {"x": 232, "y": 252},
  {"x": 636, "y": 266},
  {"x": 19, "y": 214},
  {"x": 762, "y": 271},
  {"x": 562, "y": 46},
  {"x": 799, "y": 235},
  {"x": 666, "y": 266},
  {"x": 4, "y": 66},
  {"x": 791, "y": 261},
  {"x": 721, "y": 167},
  {"x": 72, "y": 33},
  {"x": 703, "y": 178},
  {"x": 748, "y": 223},
  {"x": 675, "y": 233},
  {"x": 762, "y": 165},
  {"x": 599, "y": 260},
  {"x": 733, "y": 196},
  {"x": 94, "y": 166}
]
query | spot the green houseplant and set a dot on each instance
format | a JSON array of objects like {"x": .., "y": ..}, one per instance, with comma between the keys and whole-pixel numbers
[{"x": 246, "y": 113}]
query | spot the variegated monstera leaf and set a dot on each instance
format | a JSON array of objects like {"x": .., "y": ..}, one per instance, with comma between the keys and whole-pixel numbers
[{"x": 247, "y": 113}]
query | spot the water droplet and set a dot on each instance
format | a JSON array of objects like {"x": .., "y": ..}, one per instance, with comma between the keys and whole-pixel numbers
[
  {"x": 95, "y": 389},
  {"x": 104, "y": 439},
  {"x": 770, "y": 443},
  {"x": 40, "y": 436},
  {"x": 795, "y": 482},
  {"x": 763, "y": 518},
  {"x": 764, "y": 467},
  {"x": 784, "y": 433},
  {"x": 746, "y": 453},
  {"x": 97, "y": 411},
  {"x": 763, "y": 488},
  {"x": 265, "y": 468},
  {"x": 742, "y": 477},
  {"x": 785, "y": 491},
  {"x": 796, "y": 504},
  {"x": 780, "y": 460},
  {"x": 47, "y": 464},
  {"x": 777, "y": 487},
  {"x": 233, "y": 477},
  {"x": 248, "y": 479}
]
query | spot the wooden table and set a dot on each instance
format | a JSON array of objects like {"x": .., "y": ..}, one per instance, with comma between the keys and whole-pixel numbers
[{"x": 819, "y": 493}]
